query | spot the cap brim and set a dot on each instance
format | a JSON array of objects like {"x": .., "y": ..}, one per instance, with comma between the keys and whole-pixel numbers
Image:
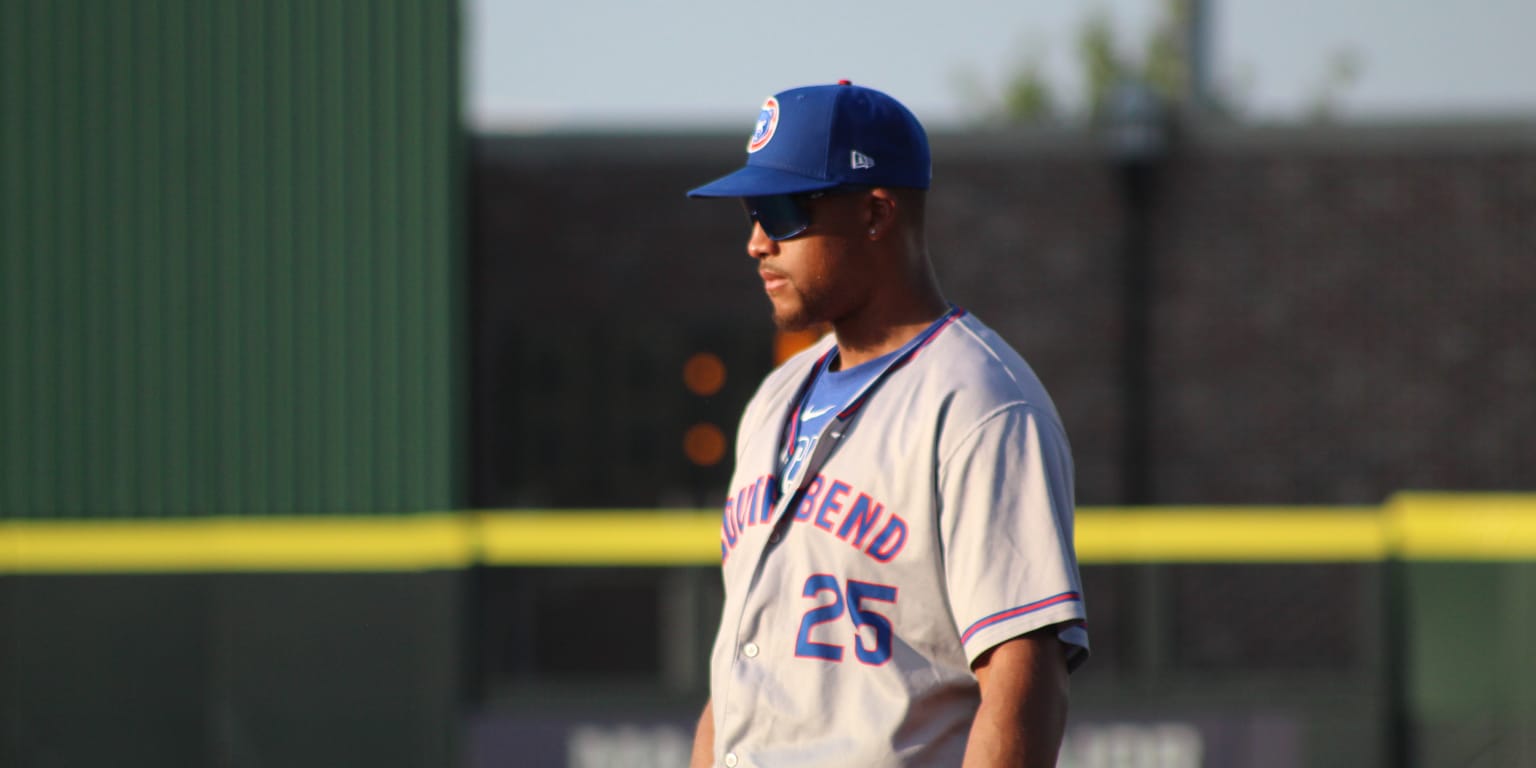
[{"x": 753, "y": 181}]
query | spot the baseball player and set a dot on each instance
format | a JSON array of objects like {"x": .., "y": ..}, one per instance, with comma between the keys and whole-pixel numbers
[{"x": 900, "y": 582}]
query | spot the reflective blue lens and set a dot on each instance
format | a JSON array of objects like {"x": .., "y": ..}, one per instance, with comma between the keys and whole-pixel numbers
[{"x": 781, "y": 216}]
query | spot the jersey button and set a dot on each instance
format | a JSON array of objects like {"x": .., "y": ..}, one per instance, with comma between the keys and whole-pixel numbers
[
  {"x": 730, "y": 760},
  {"x": 750, "y": 649},
  {"x": 773, "y": 538}
]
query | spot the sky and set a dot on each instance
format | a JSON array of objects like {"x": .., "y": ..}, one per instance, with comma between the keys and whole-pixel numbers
[{"x": 666, "y": 64}]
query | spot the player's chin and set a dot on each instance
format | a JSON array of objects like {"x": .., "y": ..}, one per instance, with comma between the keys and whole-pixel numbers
[{"x": 793, "y": 319}]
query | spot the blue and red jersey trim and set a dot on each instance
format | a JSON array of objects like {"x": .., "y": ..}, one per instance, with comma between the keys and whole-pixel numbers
[
  {"x": 790, "y": 433},
  {"x": 955, "y": 314},
  {"x": 1013, "y": 613}
]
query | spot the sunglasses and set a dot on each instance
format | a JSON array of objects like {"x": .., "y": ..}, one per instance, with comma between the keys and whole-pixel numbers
[{"x": 781, "y": 216}]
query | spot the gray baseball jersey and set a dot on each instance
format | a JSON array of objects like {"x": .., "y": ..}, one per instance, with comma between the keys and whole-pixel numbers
[{"x": 933, "y": 520}]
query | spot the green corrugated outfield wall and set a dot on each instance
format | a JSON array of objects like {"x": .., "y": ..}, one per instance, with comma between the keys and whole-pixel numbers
[{"x": 229, "y": 234}]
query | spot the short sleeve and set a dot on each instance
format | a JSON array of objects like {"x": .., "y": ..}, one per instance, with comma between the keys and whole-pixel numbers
[{"x": 1006, "y": 505}]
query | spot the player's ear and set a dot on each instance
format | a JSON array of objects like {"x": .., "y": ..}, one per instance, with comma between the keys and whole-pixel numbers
[{"x": 882, "y": 209}]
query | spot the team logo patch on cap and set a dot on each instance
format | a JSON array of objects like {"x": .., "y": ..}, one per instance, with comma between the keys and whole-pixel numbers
[{"x": 767, "y": 121}]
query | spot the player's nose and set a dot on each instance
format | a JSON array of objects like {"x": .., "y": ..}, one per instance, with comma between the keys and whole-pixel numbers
[{"x": 759, "y": 244}]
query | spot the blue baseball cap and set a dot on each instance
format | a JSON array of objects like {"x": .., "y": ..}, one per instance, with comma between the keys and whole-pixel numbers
[{"x": 824, "y": 136}]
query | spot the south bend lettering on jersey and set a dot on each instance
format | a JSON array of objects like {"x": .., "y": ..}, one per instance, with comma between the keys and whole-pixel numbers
[{"x": 829, "y": 505}]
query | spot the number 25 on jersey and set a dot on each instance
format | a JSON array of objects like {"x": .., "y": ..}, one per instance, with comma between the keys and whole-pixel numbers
[{"x": 852, "y": 601}]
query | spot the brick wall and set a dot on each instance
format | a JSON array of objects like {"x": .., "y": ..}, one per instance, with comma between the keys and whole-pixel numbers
[{"x": 1336, "y": 314}]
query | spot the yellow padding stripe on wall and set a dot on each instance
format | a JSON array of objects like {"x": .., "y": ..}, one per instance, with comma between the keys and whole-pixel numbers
[
  {"x": 600, "y": 538},
  {"x": 1231, "y": 534},
  {"x": 416, "y": 542},
  {"x": 1454, "y": 526},
  {"x": 1418, "y": 526}
]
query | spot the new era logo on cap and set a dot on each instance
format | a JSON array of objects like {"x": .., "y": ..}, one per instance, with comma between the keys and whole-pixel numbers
[{"x": 822, "y": 136}]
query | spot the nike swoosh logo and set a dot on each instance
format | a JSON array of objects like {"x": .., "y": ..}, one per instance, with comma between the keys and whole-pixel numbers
[{"x": 811, "y": 414}]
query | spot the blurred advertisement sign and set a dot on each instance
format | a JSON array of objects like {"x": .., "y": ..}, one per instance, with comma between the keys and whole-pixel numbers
[
  {"x": 1261, "y": 741},
  {"x": 1133, "y": 745}
]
